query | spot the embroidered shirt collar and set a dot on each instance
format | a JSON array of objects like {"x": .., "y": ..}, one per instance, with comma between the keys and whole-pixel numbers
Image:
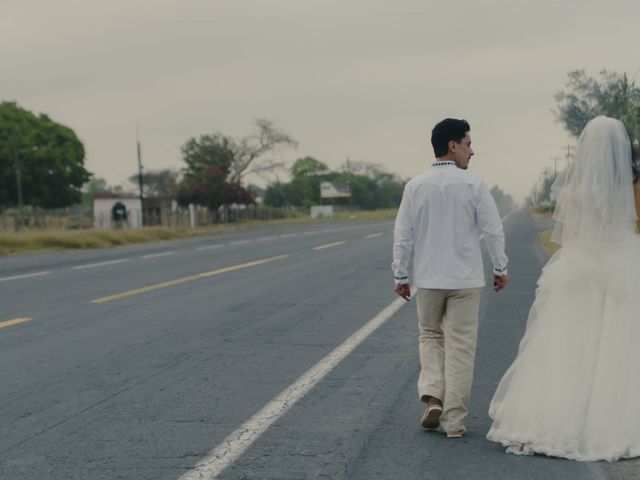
[{"x": 442, "y": 163}]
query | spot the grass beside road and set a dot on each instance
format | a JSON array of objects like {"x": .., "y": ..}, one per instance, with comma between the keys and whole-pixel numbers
[
  {"x": 51, "y": 240},
  {"x": 545, "y": 240},
  {"x": 544, "y": 237}
]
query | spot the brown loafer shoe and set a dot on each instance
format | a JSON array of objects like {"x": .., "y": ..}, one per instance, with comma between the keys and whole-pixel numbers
[{"x": 431, "y": 417}]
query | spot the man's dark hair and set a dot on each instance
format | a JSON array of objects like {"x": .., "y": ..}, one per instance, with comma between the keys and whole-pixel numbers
[{"x": 445, "y": 131}]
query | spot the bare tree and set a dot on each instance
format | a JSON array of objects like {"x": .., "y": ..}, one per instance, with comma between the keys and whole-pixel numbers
[{"x": 249, "y": 150}]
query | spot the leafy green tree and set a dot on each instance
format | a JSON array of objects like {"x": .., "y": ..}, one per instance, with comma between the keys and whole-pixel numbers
[
  {"x": 541, "y": 191},
  {"x": 216, "y": 163},
  {"x": 208, "y": 160},
  {"x": 209, "y": 188},
  {"x": 585, "y": 97},
  {"x": 274, "y": 195},
  {"x": 308, "y": 166},
  {"x": 207, "y": 150},
  {"x": 50, "y": 159},
  {"x": 371, "y": 186}
]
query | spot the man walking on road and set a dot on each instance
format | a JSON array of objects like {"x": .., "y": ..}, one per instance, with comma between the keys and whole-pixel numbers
[{"x": 442, "y": 215}]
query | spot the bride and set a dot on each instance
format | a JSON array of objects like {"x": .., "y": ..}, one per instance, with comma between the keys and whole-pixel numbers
[{"x": 573, "y": 390}]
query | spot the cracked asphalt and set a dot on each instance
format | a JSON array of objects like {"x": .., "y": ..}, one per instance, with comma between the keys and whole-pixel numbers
[{"x": 144, "y": 386}]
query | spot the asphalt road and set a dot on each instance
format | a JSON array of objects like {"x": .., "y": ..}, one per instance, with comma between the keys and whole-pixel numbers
[{"x": 137, "y": 362}]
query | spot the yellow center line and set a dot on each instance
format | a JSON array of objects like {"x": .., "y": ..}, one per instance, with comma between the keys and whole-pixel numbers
[
  {"x": 374, "y": 235},
  {"x": 15, "y": 321},
  {"x": 190, "y": 278},
  {"x": 329, "y": 245}
]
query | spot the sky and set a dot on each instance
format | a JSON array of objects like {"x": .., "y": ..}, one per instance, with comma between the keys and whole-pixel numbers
[{"x": 360, "y": 79}]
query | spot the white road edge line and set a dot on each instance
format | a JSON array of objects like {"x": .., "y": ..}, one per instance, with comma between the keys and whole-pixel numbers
[
  {"x": 26, "y": 275},
  {"x": 232, "y": 447},
  {"x": 239, "y": 242},
  {"x": 503, "y": 219},
  {"x": 100, "y": 264}
]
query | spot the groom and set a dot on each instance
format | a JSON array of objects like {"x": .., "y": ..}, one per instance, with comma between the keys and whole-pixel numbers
[{"x": 441, "y": 217}]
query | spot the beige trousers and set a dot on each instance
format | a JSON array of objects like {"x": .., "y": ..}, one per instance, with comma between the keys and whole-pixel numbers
[{"x": 448, "y": 324}]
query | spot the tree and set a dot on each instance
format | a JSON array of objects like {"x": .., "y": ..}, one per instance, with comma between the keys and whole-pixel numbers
[
  {"x": 208, "y": 160},
  {"x": 274, "y": 195},
  {"x": 308, "y": 166},
  {"x": 585, "y": 97},
  {"x": 93, "y": 186},
  {"x": 252, "y": 148},
  {"x": 216, "y": 163},
  {"x": 504, "y": 202},
  {"x": 50, "y": 159},
  {"x": 207, "y": 150},
  {"x": 370, "y": 184},
  {"x": 158, "y": 183},
  {"x": 209, "y": 188},
  {"x": 541, "y": 191}
]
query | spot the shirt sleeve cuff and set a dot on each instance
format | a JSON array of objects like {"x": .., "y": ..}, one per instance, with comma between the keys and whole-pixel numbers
[
  {"x": 401, "y": 280},
  {"x": 500, "y": 271}
]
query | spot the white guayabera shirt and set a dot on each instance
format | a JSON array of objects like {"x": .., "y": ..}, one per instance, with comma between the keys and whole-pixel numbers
[{"x": 442, "y": 215}]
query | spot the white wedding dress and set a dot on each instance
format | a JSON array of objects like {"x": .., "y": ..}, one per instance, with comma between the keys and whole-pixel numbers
[{"x": 573, "y": 390}]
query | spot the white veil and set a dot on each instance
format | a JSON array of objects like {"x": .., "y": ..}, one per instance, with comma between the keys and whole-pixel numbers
[{"x": 594, "y": 196}]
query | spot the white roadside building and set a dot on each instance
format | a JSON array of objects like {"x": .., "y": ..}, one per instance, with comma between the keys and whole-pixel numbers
[{"x": 108, "y": 211}]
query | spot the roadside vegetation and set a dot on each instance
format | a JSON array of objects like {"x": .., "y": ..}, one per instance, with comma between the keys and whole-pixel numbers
[
  {"x": 55, "y": 240},
  {"x": 546, "y": 243}
]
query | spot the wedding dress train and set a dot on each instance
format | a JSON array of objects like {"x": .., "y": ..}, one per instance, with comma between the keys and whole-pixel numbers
[{"x": 573, "y": 390}]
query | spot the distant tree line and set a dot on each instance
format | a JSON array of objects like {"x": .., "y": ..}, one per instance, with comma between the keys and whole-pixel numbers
[
  {"x": 42, "y": 164},
  {"x": 504, "y": 202},
  {"x": 371, "y": 186}
]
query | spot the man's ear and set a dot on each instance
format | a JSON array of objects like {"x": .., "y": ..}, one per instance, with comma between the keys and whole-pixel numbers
[{"x": 452, "y": 146}]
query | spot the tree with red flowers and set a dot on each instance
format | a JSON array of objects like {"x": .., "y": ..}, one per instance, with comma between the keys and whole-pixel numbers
[{"x": 216, "y": 163}]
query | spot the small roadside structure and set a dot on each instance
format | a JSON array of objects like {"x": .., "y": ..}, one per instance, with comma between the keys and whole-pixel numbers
[{"x": 112, "y": 210}]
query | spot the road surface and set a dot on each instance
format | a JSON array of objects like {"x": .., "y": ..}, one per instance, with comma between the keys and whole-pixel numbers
[{"x": 241, "y": 356}]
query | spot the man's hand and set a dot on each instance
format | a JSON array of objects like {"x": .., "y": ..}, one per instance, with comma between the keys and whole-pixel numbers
[
  {"x": 499, "y": 282},
  {"x": 404, "y": 290}
]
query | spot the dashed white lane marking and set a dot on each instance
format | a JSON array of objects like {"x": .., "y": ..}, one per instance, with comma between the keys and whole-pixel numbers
[
  {"x": 26, "y": 275},
  {"x": 264, "y": 239},
  {"x": 163, "y": 254},
  {"x": 100, "y": 264},
  {"x": 232, "y": 447},
  {"x": 210, "y": 247},
  {"x": 288, "y": 235},
  {"x": 239, "y": 242},
  {"x": 374, "y": 235}
]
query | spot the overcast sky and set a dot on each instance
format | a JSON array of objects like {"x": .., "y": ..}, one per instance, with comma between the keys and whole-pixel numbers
[{"x": 363, "y": 79}]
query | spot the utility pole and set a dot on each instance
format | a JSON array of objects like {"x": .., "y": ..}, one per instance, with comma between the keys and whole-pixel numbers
[
  {"x": 555, "y": 166},
  {"x": 349, "y": 182},
  {"x": 140, "y": 180},
  {"x": 568, "y": 156},
  {"x": 635, "y": 127},
  {"x": 18, "y": 179}
]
